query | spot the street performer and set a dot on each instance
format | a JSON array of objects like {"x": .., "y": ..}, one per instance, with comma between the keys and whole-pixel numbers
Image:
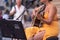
[{"x": 49, "y": 29}]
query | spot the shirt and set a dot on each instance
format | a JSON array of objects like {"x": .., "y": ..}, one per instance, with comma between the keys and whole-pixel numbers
[{"x": 19, "y": 11}]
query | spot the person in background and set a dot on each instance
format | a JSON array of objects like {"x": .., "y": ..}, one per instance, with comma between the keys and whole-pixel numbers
[
  {"x": 6, "y": 1},
  {"x": 0, "y": 14},
  {"x": 18, "y": 11},
  {"x": 12, "y": 3},
  {"x": 6, "y": 14},
  {"x": 30, "y": 3}
]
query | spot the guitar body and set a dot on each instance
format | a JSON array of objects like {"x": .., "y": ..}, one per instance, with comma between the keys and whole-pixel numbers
[{"x": 37, "y": 22}]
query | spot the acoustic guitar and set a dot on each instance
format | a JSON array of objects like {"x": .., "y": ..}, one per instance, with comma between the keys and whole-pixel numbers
[{"x": 36, "y": 22}]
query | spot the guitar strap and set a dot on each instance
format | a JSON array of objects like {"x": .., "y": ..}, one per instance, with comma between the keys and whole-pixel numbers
[{"x": 21, "y": 13}]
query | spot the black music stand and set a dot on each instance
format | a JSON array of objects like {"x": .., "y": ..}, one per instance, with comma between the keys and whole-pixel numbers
[{"x": 12, "y": 29}]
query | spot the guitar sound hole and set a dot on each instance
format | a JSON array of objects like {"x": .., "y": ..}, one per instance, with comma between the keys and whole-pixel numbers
[{"x": 37, "y": 23}]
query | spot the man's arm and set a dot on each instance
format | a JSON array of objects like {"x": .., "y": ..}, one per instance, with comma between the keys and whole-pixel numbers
[{"x": 12, "y": 11}]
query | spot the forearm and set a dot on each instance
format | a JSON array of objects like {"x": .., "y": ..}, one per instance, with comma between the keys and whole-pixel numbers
[
  {"x": 11, "y": 13},
  {"x": 46, "y": 21}
]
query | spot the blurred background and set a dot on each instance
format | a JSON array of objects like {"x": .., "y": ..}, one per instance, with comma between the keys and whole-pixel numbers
[{"x": 6, "y": 5}]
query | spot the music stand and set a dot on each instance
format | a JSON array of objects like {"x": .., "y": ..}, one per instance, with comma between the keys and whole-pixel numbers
[{"x": 12, "y": 29}]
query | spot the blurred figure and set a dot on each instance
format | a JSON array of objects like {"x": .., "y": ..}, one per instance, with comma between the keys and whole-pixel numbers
[
  {"x": 6, "y": 14},
  {"x": 0, "y": 14},
  {"x": 29, "y": 3},
  {"x": 18, "y": 11},
  {"x": 6, "y": 1},
  {"x": 12, "y": 3}
]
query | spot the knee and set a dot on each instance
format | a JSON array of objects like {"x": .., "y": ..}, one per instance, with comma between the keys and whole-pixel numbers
[{"x": 52, "y": 38}]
